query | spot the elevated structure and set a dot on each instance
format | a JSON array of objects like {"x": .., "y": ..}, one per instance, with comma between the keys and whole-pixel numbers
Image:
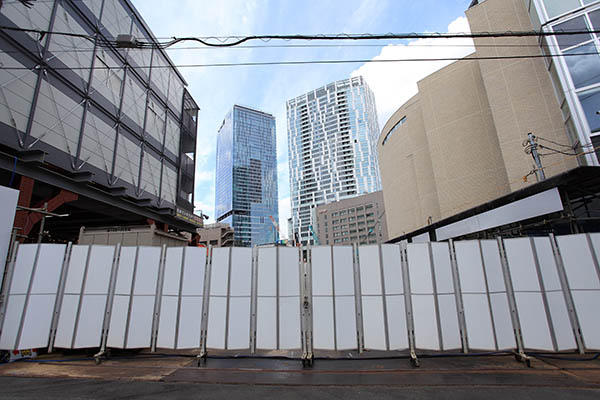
[
  {"x": 332, "y": 136},
  {"x": 106, "y": 135},
  {"x": 246, "y": 176}
]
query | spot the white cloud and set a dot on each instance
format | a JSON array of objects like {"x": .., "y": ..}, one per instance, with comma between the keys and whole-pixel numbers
[
  {"x": 205, "y": 176},
  {"x": 367, "y": 12},
  {"x": 284, "y": 213},
  {"x": 394, "y": 83}
]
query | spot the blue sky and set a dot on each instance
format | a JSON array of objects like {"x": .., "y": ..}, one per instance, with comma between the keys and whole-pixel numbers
[{"x": 217, "y": 89}]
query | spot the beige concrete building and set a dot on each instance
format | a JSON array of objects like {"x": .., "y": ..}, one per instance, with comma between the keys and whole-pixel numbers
[
  {"x": 358, "y": 219},
  {"x": 131, "y": 236},
  {"x": 458, "y": 143},
  {"x": 216, "y": 235}
]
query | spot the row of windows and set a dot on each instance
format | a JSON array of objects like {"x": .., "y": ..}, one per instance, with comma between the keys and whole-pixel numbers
[{"x": 350, "y": 211}]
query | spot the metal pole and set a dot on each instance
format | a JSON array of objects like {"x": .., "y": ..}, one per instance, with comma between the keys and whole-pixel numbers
[
  {"x": 538, "y": 270},
  {"x": 384, "y": 299},
  {"x": 42, "y": 224},
  {"x": 59, "y": 296},
  {"x": 564, "y": 283},
  {"x": 8, "y": 284},
  {"x": 459, "y": 300},
  {"x": 410, "y": 324},
  {"x": 510, "y": 294},
  {"x": 205, "y": 305},
  {"x": 81, "y": 293},
  {"x": 109, "y": 302},
  {"x": 253, "y": 300},
  {"x": 358, "y": 300},
  {"x": 539, "y": 172}
]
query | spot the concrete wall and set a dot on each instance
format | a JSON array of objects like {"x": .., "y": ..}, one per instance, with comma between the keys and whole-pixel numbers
[
  {"x": 520, "y": 91},
  {"x": 134, "y": 236},
  {"x": 409, "y": 188},
  {"x": 463, "y": 143}
]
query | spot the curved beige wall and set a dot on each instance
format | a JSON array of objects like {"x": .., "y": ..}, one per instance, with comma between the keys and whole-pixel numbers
[
  {"x": 467, "y": 163},
  {"x": 409, "y": 191},
  {"x": 520, "y": 91}
]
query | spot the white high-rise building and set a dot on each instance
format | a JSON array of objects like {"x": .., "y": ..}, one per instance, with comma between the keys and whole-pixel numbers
[{"x": 332, "y": 144}]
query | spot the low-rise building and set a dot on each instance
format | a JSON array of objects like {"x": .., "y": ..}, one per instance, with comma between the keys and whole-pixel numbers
[
  {"x": 358, "y": 219},
  {"x": 216, "y": 235}
]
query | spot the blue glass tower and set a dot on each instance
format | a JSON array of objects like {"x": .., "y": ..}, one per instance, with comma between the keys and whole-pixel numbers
[{"x": 246, "y": 176}]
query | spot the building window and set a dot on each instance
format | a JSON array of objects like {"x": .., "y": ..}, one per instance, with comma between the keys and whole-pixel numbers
[
  {"x": 398, "y": 125},
  {"x": 555, "y": 8},
  {"x": 359, "y": 208},
  {"x": 334, "y": 214},
  {"x": 343, "y": 212}
]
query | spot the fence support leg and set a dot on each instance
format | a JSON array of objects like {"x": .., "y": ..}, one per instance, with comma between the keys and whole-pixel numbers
[
  {"x": 202, "y": 356},
  {"x": 520, "y": 352}
]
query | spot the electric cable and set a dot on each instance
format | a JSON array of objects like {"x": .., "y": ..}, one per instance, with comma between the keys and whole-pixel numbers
[
  {"x": 231, "y": 41},
  {"x": 355, "y": 61}
]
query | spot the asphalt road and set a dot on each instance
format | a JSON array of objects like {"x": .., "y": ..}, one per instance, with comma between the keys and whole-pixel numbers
[{"x": 53, "y": 388}]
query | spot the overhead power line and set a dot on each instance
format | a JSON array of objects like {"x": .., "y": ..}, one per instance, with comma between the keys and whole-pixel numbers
[
  {"x": 302, "y": 62},
  {"x": 231, "y": 41}
]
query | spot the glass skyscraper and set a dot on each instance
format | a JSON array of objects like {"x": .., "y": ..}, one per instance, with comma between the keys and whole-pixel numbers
[
  {"x": 332, "y": 144},
  {"x": 246, "y": 176}
]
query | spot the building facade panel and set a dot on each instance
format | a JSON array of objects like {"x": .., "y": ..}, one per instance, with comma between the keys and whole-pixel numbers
[{"x": 79, "y": 100}]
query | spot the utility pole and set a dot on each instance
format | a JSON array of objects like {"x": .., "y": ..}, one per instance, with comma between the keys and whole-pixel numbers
[{"x": 539, "y": 171}]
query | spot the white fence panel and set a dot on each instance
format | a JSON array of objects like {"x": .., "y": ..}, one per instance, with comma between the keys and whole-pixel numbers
[
  {"x": 144, "y": 298},
  {"x": 170, "y": 299},
  {"x": 238, "y": 335},
  {"x": 559, "y": 313},
  {"x": 345, "y": 306},
  {"x": 479, "y": 326},
  {"x": 32, "y": 296},
  {"x": 355, "y": 300},
  {"x": 446, "y": 297},
  {"x": 322, "y": 292},
  {"x": 119, "y": 314},
  {"x": 192, "y": 292},
  {"x": 266, "y": 314},
  {"x": 394, "y": 297},
  {"x": 372, "y": 298},
  {"x": 422, "y": 295},
  {"x": 501, "y": 315},
  {"x": 584, "y": 281},
  {"x": 217, "y": 306},
  {"x": 289, "y": 298},
  {"x": 86, "y": 297}
]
